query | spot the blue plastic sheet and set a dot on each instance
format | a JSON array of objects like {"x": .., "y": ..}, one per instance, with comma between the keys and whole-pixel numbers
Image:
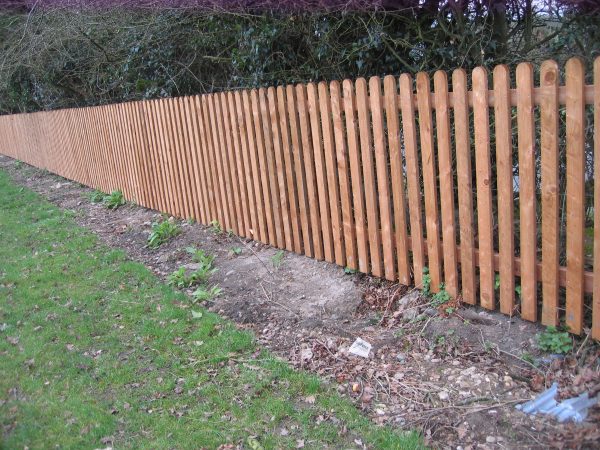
[{"x": 574, "y": 409}]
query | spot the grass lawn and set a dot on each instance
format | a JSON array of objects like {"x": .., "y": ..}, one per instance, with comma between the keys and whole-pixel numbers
[{"x": 96, "y": 352}]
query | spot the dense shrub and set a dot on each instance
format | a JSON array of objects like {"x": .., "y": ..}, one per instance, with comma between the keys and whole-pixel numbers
[{"x": 60, "y": 57}]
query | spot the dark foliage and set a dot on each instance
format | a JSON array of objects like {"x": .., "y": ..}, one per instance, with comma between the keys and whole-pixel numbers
[{"x": 55, "y": 57}]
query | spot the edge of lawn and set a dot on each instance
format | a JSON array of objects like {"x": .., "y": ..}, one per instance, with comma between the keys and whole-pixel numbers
[{"x": 96, "y": 351}]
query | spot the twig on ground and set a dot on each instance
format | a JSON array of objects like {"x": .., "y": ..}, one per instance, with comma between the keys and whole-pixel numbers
[
  {"x": 328, "y": 351},
  {"x": 255, "y": 254},
  {"x": 424, "y": 326},
  {"x": 498, "y": 405},
  {"x": 520, "y": 359},
  {"x": 391, "y": 300},
  {"x": 133, "y": 303},
  {"x": 583, "y": 343},
  {"x": 270, "y": 299},
  {"x": 468, "y": 401}
]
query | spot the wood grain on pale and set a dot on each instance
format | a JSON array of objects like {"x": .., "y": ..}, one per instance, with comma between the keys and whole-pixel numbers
[
  {"x": 446, "y": 174},
  {"x": 356, "y": 176},
  {"x": 549, "y": 81},
  {"x": 504, "y": 183},
  {"x": 397, "y": 179},
  {"x": 575, "y": 201},
  {"x": 483, "y": 177},
  {"x": 413, "y": 176},
  {"x": 343, "y": 172}
]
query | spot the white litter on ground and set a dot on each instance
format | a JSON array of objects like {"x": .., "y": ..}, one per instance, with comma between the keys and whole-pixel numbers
[{"x": 360, "y": 347}]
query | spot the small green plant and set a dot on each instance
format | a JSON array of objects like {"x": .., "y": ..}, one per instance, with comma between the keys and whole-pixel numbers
[
  {"x": 526, "y": 356},
  {"x": 216, "y": 227},
  {"x": 97, "y": 196},
  {"x": 18, "y": 164},
  {"x": 377, "y": 316},
  {"x": 488, "y": 346},
  {"x": 497, "y": 282},
  {"x": 193, "y": 251},
  {"x": 419, "y": 318},
  {"x": 204, "y": 293},
  {"x": 178, "y": 278},
  {"x": 426, "y": 281},
  {"x": 400, "y": 332},
  {"x": 277, "y": 259},
  {"x": 497, "y": 285},
  {"x": 555, "y": 341},
  {"x": 114, "y": 200},
  {"x": 349, "y": 271},
  {"x": 200, "y": 256},
  {"x": 205, "y": 265},
  {"x": 236, "y": 251},
  {"x": 182, "y": 278},
  {"x": 161, "y": 232},
  {"x": 440, "y": 297},
  {"x": 111, "y": 201},
  {"x": 202, "y": 274},
  {"x": 191, "y": 221}
]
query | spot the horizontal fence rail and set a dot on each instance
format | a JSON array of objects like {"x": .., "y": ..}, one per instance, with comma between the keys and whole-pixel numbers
[{"x": 481, "y": 185}]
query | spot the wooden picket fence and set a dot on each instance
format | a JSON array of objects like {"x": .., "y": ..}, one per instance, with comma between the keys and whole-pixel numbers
[{"x": 370, "y": 175}]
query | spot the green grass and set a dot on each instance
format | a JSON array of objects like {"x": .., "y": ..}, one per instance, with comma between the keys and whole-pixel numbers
[{"x": 95, "y": 352}]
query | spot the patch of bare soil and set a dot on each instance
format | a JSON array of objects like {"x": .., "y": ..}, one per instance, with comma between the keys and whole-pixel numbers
[{"x": 455, "y": 374}]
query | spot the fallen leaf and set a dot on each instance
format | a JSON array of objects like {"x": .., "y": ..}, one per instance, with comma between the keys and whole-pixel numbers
[
  {"x": 310, "y": 399},
  {"x": 299, "y": 443},
  {"x": 537, "y": 382},
  {"x": 366, "y": 398},
  {"x": 462, "y": 430},
  {"x": 254, "y": 444},
  {"x": 196, "y": 314},
  {"x": 306, "y": 354}
]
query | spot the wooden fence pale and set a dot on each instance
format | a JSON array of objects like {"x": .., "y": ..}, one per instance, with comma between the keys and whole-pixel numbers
[{"x": 388, "y": 177}]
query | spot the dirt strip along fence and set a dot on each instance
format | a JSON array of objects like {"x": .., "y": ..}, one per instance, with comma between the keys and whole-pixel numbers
[{"x": 488, "y": 185}]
